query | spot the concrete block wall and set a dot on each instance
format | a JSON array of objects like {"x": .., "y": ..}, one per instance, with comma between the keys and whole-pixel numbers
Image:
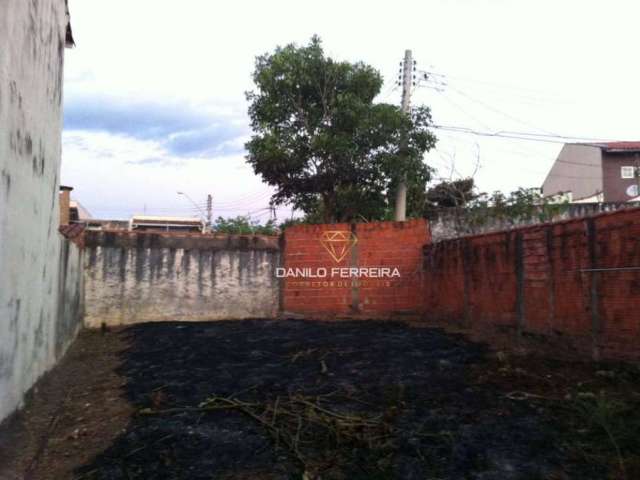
[
  {"x": 578, "y": 280},
  {"x": 456, "y": 222},
  {"x": 146, "y": 277},
  {"x": 40, "y": 289},
  {"x": 379, "y": 244}
]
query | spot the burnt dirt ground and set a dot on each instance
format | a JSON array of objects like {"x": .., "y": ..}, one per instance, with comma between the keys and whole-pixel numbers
[{"x": 344, "y": 400}]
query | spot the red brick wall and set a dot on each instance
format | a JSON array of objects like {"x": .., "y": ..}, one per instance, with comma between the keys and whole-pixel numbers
[
  {"x": 537, "y": 280},
  {"x": 541, "y": 280},
  {"x": 379, "y": 244}
]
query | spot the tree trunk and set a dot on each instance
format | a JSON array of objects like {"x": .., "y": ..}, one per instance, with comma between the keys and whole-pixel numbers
[{"x": 329, "y": 207}]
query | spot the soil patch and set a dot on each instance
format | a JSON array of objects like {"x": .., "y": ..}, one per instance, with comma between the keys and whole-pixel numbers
[
  {"x": 72, "y": 414},
  {"x": 296, "y": 399},
  {"x": 276, "y": 400}
]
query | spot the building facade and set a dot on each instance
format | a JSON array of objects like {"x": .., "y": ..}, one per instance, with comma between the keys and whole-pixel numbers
[{"x": 595, "y": 172}]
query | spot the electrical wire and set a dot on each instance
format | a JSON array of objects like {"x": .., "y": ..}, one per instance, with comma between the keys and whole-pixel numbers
[
  {"x": 528, "y": 136},
  {"x": 448, "y": 164},
  {"x": 500, "y": 112},
  {"x": 459, "y": 108},
  {"x": 246, "y": 198},
  {"x": 538, "y": 95},
  {"x": 546, "y": 136}
]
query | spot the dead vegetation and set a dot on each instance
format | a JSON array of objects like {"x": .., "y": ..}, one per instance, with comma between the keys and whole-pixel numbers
[
  {"x": 602, "y": 430},
  {"x": 594, "y": 407},
  {"x": 351, "y": 401},
  {"x": 318, "y": 437},
  {"x": 308, "y": 400}
]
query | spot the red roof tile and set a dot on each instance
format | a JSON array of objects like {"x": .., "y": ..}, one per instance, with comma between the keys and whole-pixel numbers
[
  {"x": 73, "y": 232},
  {"x": 618, "y": 145}
]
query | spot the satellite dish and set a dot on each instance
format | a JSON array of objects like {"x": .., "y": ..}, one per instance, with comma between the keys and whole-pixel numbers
[{"x": 632, "y": 191}]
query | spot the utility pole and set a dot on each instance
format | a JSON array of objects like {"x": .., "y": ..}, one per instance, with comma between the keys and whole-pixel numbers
[
  {"x": 407, "y": 80},
  {"x": 209, "y": 211}
]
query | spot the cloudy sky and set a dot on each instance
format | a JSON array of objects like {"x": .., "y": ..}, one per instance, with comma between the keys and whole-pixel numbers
[{"x": 154, "y": 99}]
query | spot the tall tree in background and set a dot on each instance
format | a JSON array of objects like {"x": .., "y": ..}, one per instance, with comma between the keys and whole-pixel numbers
[
  {"x": 322, "y": 142},
  {"x": 449, "y": 194}
]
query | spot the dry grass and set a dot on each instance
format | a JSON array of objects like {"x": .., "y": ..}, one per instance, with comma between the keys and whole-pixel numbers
[{"x": 317, "y": 436}]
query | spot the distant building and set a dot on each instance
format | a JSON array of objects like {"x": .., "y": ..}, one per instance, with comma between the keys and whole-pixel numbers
[
  {"x": 65, "y": 204},
  {"x": 71, "y": 211},
  {"x": 77, "y": 212},
  {"x": 167, "y": 224},
  {"x": 98, "y": 224},
  {"x": 595, "y": 172}
]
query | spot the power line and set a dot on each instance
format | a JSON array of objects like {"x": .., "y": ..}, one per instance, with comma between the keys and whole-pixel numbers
[
  {"x": 498, "y": 111},
  {"x": 578, "y": 163},
  {"x": 458, "y": 107},
  {"x": 192, "y": 211},
  {"x": 529, "y": 153},
  {"x": 241, "y": 204},
  {"x": 240, "y": 200},
  {"x": 392, "y": 88},
  {"x": 547, "y": 136},
  {"x": 255, "y": 197},
  {"x": 529, "y": 136},
  {"x": 448, "y": 164},
  {"x": 531, "y": 94}
]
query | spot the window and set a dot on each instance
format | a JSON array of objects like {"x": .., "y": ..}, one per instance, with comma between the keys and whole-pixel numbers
[{"x": 627, "y": 172}]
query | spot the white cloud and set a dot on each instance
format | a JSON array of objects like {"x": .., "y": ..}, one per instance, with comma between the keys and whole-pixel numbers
[
  {"x": 137, "y": 176},
  {"x": 563, "y": 67}
]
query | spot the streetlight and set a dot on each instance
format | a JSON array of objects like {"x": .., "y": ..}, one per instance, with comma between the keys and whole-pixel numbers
[{"x": 202, "y": 215}]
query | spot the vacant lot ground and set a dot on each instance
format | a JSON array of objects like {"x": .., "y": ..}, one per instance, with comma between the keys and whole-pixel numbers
[{"x": 305, "y": 400}]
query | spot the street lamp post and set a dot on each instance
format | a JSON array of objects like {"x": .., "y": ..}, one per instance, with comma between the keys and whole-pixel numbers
[{"x": 202, "y": 214}]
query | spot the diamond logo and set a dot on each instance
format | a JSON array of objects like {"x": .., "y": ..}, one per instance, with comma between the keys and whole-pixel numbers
[{"x": 338, "y": 243}]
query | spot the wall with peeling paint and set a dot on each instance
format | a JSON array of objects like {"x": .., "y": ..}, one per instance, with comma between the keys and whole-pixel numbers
[
  {"x": 40, "y": 289},
  {"x": 147, "y": 277}
]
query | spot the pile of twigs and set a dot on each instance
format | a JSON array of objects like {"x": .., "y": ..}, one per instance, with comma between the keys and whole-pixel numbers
[{"x": 314, "y": 433}]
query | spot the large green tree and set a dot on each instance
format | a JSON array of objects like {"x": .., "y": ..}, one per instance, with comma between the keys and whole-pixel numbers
[{"x": 320, "y": 139}]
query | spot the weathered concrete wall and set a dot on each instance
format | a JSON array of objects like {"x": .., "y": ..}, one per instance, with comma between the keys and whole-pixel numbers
[
  {"x": 40, "y": 293},
  {"x": 146, "y": 277}
]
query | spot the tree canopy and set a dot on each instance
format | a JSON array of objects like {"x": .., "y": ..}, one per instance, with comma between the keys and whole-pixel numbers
[
  {"x": 462, "y": 199},
  {"x": 449, "y": 194},
  {"x": 322, "y": 142},
  {"x": 242, "y": 225}
]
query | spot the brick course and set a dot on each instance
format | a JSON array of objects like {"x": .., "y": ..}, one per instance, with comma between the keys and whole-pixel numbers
[
  {"x": 553, "y": 280},
  {"x": 379, "y": 244}
]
